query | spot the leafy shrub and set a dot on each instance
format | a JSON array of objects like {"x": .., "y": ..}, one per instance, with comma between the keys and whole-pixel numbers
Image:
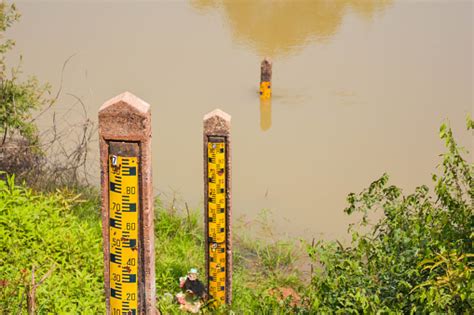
[
  {"x": 49, "y": 162},
  {"x": 417, "y": 258},
  {"x": 18, "y": 99}
]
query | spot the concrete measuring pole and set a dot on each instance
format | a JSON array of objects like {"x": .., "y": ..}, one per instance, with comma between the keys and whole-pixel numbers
[
  {"x": 218, "y": 206},
  {"x": 266, "y": 78},
  {"x": 127, "y": 205}
]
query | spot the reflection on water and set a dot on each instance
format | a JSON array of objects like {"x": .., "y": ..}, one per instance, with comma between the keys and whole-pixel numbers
[
  {"x": 280, "y": 27},
  {"x": 265, "y": 114}
]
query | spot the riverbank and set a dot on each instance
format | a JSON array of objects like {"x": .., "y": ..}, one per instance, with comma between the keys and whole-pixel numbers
[
  {"x": 61, "y": 232},
  {"x": 417, "y": 258}
]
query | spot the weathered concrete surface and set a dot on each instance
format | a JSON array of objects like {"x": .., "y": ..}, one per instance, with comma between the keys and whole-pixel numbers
[
  {"x": 266, "y": 70},
  {"x": 125, "y": 117},
  {"x": 126, "y": 149},
  {"x": 128, "y": 118},
  {"x": 217, "y": 124}
]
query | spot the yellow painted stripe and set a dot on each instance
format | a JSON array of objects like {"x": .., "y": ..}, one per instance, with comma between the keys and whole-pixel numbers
[
  {"x": 123, "y": 231},
  {"x": 265, "y": 90},
  {"x": 217, "y": 221}
]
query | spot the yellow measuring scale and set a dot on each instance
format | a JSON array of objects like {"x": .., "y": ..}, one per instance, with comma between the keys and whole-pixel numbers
[
  {"x": 265, "y": 90},
  {"x": 217, "y": 221},
  {"x": 123, "y": 232}
]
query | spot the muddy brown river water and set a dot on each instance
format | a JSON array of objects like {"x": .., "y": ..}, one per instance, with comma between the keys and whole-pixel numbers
[{"x": 360, "y": 88}]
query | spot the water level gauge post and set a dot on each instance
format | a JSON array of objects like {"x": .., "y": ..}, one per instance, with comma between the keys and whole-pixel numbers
[
  {"x": 266, "y": 79},
  {"x": 127, "y": 205},
  {"x": 218, "y": 206}
]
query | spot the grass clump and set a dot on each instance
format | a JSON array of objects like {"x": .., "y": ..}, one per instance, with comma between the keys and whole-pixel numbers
[
  {"x": 259, "y": 266},
  {"x": 178, "y": 247},
  {"x": 42, "y": 232}
]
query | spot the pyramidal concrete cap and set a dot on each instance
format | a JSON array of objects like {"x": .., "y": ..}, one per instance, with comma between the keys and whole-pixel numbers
[
  {"x": 219, "y": 113},
  {"x": 128, "y": 98},
  {"x": 125, "y": 117}
]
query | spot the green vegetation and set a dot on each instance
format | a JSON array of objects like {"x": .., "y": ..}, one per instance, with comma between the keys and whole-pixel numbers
[
  {"x": 18, "y": 99},
  {"x": 63, "y": 232},
  {"x": 20, "y": 152},
  {"x": 258, "y": 267},
  {"x": 416, "y": 259},
  {"x": 49, "y": 231},
  {"x": 45, "y": 165}
]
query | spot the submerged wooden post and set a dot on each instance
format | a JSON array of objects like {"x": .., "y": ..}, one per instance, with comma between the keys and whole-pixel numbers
[
  {"x": 266, "y": 78},
  {"x": 218, "y": 206},
  {"x": 127, "y": 205}
]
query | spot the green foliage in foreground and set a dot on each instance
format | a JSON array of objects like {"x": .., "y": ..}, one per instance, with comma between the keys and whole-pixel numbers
[
  {"x": 43, "y": 231},
  {"x": 417, "y": 259},
  {"x": 61, "y": 233}
]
